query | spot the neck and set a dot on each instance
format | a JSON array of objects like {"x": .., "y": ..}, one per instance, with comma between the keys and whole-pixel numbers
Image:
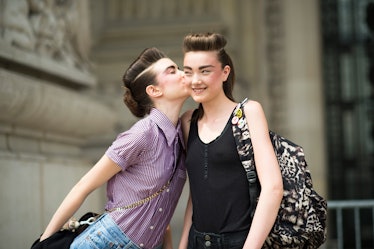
[
  {"x": 218, "y": 109},
  {"x": 172, "y": 111}
]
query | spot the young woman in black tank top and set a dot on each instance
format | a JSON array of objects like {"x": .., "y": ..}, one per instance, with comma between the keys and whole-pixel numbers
[{"x": 217, "y": 213}]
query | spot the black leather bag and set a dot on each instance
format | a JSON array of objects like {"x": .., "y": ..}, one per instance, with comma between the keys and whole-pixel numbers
[{"x": 63, "y": 238}]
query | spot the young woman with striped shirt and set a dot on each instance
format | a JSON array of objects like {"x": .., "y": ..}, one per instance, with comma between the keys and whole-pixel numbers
[{"x": 143, "y": 168}]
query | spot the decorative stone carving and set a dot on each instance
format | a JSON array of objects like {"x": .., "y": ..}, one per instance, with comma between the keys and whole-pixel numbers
[
  {"x": 49, "y": 28},
  {"x": 16, "y": 27}
]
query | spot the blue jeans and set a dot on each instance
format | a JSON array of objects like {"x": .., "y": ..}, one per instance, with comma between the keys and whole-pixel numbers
[
  {"x": 104, "y": 233},
  {"x": 201, "y": 240}
]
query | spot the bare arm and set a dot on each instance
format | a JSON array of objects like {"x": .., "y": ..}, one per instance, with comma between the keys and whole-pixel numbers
[
  {"x": 103, "y": 170},
  {"x": 168, "y": 241},
  {"x": 186, "y": 121},
  {"x": 269, "y": 176},
  {"x": 187, "y": 225}
]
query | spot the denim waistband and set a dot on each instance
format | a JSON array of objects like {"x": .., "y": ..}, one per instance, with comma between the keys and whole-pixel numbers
[
  {"x": 213, "y": 240},
  {"x": 103, "y": 233}
]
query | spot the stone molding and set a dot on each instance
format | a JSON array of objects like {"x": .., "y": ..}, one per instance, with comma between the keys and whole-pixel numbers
[
  {"x": 10, "y": 55},
  {"x": 53, "y": 111}
]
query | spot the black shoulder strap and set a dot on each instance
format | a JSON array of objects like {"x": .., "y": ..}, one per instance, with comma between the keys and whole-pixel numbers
[
  {"x": 193, "y": 128},
  {"x": 245, "y": 150}
]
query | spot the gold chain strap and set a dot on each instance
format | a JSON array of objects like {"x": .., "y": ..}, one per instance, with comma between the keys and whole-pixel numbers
[
  {"x": 142, "y": 201},
  {"x": 138, "y": 203}
]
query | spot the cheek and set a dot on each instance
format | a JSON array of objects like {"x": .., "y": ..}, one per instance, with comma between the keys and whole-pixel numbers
[
  {"x": 187, "y": 81},
  {"x": 216, "y": 78}
]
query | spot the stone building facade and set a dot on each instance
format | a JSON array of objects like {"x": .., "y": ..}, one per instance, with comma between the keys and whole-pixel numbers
[{"x": 61, "y": 64}]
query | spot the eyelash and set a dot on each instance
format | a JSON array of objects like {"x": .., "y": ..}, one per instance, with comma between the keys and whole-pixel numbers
[
  {"x": 173, "y": 70},
  {"x": 188, "y": 73}
]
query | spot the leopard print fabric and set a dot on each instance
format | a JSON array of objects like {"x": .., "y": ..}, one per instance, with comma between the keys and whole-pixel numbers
[{"x": 301, "y": 220}]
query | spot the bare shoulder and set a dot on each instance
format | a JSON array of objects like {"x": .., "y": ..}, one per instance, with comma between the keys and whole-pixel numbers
[
  {"x": 256, "y": 117},
  {"x": 253, "y": 108}
]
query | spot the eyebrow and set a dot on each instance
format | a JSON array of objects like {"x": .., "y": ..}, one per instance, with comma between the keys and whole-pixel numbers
[
  {"x": 171, "y": 67},
  {"x": 201, "y": 67}
]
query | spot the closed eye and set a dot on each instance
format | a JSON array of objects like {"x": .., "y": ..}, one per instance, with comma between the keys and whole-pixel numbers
[{"x": 172, "y": 69}]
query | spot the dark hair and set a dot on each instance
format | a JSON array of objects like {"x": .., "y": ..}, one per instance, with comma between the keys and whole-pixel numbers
[
  {"x": 212, "y": 42},
  {"x": 137, "y": 78}
]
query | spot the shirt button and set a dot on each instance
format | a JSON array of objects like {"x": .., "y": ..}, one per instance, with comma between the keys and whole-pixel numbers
[
  {"x": 141, "y": 245},
  {"x": 207, "y": 237},
  {"x": 208, "y": 243},
  {"x": 151, "y": 227},
  {"x": 167, "y": 190},
  {"x": 160, "y": 209}
]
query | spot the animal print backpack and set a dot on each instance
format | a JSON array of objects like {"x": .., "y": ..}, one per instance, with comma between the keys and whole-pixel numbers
[{"x": 301, "y": 219}]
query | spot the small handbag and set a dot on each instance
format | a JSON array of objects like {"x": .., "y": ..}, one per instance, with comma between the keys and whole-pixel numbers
[{"x": 63, "y": 238}]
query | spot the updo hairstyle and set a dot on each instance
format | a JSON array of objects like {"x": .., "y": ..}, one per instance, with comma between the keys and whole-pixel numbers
[{"x": 136, "y": 79}]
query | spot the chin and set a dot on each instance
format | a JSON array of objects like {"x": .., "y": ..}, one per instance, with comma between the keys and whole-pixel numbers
[{"x": 198, "y": 99}]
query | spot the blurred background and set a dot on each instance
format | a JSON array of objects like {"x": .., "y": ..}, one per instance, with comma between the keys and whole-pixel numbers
[{"x": 310, "y": 63}]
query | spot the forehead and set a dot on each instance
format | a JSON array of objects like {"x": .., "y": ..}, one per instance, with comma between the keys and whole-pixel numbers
[
  {"x": 162, "y": 64},
  {"x": 200, "y": 57}
]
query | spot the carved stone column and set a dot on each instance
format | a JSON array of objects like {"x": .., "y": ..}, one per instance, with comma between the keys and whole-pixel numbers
[{"x": 295, "y": 81}]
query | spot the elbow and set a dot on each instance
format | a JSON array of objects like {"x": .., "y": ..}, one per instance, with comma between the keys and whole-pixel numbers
[
  {"x": 277, "y": 191},
  {"x": 276, "y": 187},
  {"x": 80, "y": 190}
]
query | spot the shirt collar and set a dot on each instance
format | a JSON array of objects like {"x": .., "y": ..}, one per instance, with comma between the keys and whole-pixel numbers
[{"x": 167, "y": 127}]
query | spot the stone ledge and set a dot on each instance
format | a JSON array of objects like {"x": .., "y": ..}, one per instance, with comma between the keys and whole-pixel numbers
[
  {"x": 36, "y": 105},
  {"x": 12, "y": 55},
  {"x": 12, "y": 130},
  {"x": 21, "y": 144}
]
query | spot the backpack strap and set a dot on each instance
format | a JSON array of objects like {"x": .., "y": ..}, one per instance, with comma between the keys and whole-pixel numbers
[{"x": 245, "y": 151}]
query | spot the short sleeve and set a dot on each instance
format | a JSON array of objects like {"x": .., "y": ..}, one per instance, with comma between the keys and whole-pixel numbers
[{"x": 127, "y": 148}]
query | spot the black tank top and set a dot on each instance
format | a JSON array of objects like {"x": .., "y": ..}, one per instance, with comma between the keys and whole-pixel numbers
[{"x": 218, "y": 183}]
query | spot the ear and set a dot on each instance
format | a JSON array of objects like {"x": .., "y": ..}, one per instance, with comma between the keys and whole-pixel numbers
[
  {"x": 153, "y": 91},
  {"x": 226, "y": 72}
]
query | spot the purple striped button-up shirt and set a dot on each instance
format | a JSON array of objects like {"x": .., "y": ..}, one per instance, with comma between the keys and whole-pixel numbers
[{"x": 147, "y": 154}]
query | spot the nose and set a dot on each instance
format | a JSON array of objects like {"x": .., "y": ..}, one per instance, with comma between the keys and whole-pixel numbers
[
  {"x": 182, "y": 75},
  {"x": 195, "y": 78}
]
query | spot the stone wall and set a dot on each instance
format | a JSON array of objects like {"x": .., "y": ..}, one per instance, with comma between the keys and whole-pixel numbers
[{"x": 46, "y": 120}]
